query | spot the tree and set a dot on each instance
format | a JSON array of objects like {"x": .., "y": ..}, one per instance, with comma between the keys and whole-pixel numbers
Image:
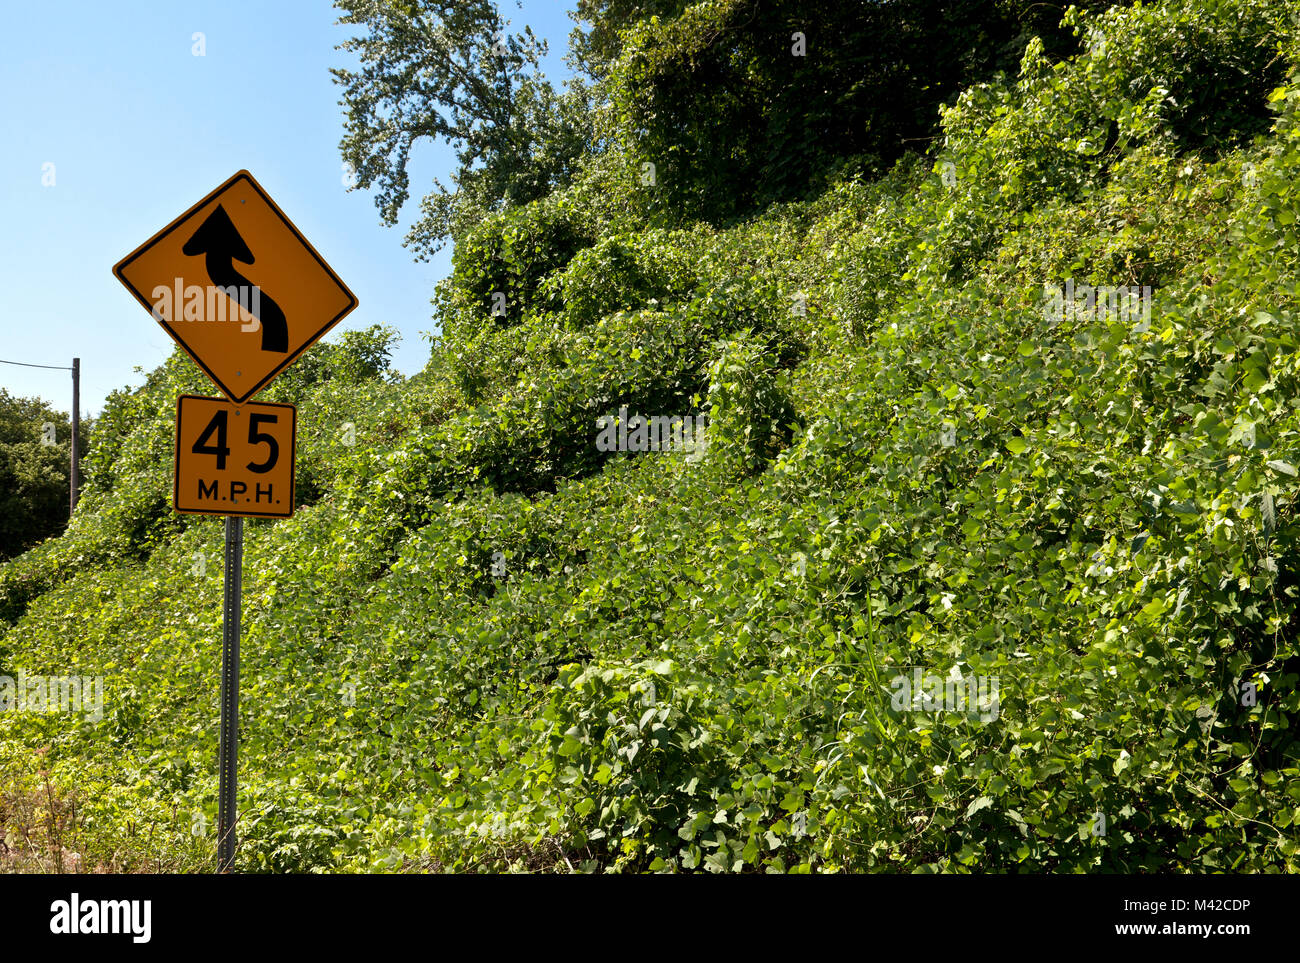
[
  {"x": 34, "y": 469},
  {"x": 596, "y": 44},
  {"x": 742, "y": 103},
  {"x": 450, "y": 71}
]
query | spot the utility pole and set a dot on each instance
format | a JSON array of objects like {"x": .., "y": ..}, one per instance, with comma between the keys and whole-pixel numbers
[{"x": 75, "y": 477}]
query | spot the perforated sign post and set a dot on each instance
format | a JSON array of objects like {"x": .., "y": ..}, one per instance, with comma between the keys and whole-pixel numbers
[{"x": 243, "y": 326}]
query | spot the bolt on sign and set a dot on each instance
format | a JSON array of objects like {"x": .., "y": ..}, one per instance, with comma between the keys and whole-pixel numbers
[
  {"x": 237, "y": 286},
  {"x": 234, "y": 459}
]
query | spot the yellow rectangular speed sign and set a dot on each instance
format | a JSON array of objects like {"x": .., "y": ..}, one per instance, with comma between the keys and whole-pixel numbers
[{"x": 234, "y": 459}]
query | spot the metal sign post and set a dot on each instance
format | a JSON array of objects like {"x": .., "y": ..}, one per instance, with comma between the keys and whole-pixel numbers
[{"x": 230, "y": 694}]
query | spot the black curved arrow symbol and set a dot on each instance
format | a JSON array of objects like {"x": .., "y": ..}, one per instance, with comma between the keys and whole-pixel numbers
[{"x": 220, "y": 241}]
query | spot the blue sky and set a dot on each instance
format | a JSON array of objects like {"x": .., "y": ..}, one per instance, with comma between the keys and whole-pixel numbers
[{"x": 138, "y": 128}]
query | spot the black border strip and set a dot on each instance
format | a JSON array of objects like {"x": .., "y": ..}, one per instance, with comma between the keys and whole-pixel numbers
[{"x": 1053, "y": 913}]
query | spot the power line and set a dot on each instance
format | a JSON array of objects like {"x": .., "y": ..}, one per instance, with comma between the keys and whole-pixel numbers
[{"x": 52, "y": 367}]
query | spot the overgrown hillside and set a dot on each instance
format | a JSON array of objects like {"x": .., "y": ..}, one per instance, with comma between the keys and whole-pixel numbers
[{"x": 485, "y": 643}]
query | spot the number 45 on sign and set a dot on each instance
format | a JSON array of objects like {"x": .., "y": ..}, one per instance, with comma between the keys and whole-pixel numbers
[{"x": 234, "y": 459}]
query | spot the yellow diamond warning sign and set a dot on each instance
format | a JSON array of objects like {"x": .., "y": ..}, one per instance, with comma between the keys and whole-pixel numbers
[
  {"x": 237, "y": 286},
  {"x": 234, "y": 459}
]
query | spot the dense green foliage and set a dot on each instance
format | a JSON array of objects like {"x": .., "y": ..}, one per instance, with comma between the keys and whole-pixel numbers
[
  {"x": 740, "y": 103},
  {"x": 484, "y": 643},
  {"x": 34, "y": 468},
  {"x": 734, "y": 103}
]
